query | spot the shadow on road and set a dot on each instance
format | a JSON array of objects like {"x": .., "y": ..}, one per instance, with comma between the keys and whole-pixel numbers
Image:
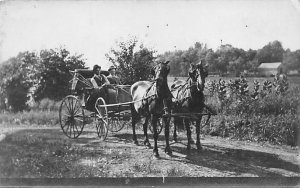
[{"x": 225, "y": 159}]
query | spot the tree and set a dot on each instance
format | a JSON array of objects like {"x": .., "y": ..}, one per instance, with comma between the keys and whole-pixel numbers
[
  {"x": 272, "y": 52},
  {"x": 132, "y": 66},
  {"x": 211, "y": 60},
  {"x": 142, "y": 64},
  {"x": 55, "y": 73},
  {"x": 291, "y": 60},
  {"x": 17, "y": 76}
]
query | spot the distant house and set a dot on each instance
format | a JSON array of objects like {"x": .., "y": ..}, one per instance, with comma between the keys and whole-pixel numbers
[{"x": 269, "y": 69}]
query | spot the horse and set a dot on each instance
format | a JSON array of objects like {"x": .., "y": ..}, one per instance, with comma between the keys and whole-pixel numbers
[
  {"x": 189, "y": 98},
  {"x": 153, "y": 99}
]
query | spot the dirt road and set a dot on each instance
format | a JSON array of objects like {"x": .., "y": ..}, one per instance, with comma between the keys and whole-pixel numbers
[{"x": 87, "y": 156}]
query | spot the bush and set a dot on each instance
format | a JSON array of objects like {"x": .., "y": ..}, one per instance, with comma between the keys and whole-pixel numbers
[
  {"x": 274, "y": 118},
  {"x": 46, "y": 105}
]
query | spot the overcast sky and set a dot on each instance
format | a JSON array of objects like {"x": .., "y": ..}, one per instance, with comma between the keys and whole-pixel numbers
[{"x": 92, "y": 27}]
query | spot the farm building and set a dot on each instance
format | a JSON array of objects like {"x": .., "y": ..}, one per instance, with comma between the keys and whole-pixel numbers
[{"x": 269, "y": 69}]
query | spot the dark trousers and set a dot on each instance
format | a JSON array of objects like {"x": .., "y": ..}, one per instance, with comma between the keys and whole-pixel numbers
[{"x": 95, "y": 94}]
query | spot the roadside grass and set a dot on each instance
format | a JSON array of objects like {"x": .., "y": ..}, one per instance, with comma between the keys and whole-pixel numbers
[
  {"x": 30, "y": 118},
  {"x": 47, "y": 153}
]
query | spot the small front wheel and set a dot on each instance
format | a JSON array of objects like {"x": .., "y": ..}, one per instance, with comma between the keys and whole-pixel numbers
[{"x": 101, "y": 118}]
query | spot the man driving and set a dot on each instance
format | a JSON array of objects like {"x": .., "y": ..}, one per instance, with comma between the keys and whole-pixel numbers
[{"x": 98, "y": 81}]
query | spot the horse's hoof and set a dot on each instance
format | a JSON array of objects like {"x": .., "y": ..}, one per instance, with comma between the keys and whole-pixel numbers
[
  {"x": 192, "y": 141},
  {"x": 156, "y": 156},
  {"x": 168, "y": 151},
  {"x": 136, "y": 142},
  {"x": 188, "y": 148},
  {"x": 148, "y": 145},
  {"x": 199, "y": 148}
]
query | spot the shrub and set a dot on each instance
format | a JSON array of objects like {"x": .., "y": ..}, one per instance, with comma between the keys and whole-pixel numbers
[
  {"x": 274, "y": 118},
  {"x": 46, "y": 105}
]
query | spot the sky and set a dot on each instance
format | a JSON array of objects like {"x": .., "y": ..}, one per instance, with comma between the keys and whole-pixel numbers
[{"x": 92, "y": 28}]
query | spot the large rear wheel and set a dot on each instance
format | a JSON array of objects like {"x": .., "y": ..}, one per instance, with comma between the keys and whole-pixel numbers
[{"x": 71, "y": 116}]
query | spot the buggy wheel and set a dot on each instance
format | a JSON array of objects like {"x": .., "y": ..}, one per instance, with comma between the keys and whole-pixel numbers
[
  {"x": 101, "y": 118},
  {"x": 71, "y": 116},
  {"x": 158, "y": 127},
  {"x": 116, "y": 124}
]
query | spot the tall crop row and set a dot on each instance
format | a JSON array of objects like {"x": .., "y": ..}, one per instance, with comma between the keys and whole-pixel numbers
[{"x": 268, "y": 112}]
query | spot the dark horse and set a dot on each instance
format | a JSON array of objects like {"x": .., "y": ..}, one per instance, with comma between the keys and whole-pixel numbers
[
  {"x": 189, "y": 98},
  {"x": 153, "y": 99}
]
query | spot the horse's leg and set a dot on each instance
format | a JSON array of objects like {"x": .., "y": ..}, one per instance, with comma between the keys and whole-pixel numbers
[
  {"x": 154, "y": 120},
  {"x": 145, "y": 126},
  {"x": 198, "y": 128},
  {"x": 133, "y": 122},
  {"x": 167, "y": 135},
  {"x": 176, "y": 121},
  {"x": 188, "y": 133}
]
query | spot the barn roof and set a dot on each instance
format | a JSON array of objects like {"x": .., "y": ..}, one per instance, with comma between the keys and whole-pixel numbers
[{"x": 270, "y": 65}]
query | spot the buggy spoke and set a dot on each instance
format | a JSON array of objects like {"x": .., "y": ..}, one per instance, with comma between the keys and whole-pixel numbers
[
  {"x": 71, "y": 129},
  {"x": 76, "y": 110},
  {"x": 74, "y": 130},
  {"x": 68, "y": 125},
  {"x": 77, "y": 115},
  {"x": 68, "y": 106},
  {"x": 78, "y": 119},
  {"x": 77, "y": 129},
  {"x": 68, "y": 115}
]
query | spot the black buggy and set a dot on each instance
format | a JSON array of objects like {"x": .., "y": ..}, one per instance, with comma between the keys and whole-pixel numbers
[{"x": 107, "y": 115}]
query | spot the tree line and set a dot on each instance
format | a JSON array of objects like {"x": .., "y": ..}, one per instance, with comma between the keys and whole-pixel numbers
[
  {"x": 229, "y": 59},
  {"x": 47, "y": 74}
]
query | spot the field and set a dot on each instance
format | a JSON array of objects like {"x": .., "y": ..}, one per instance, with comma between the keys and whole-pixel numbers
[
  {"x": 32, "y": 145},
  {"x": 294, "y": 81}
]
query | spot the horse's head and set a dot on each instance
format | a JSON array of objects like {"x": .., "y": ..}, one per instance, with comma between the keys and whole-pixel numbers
[
  {"x": 160, "y": 73},
  {"x": 161, "y": 70},
  {"x": 197, "y": 74}
]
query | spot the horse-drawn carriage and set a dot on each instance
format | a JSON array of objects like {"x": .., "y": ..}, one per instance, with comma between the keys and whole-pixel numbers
[
  {"x": 110, "y": 112},
  {"x": 120, "y": 103}
]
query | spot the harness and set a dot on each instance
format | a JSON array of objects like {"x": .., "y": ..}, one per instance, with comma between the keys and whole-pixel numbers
[
  {"x": 149, "y": 98},
  {"x": 182, "y": 89},
  {"x": 145, "y": 97}
]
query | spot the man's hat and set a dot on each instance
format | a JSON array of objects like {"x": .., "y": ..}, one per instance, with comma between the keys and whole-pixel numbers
[
  {"x": 95, "y": 67},
  {"x": 112, "y": 67}
]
